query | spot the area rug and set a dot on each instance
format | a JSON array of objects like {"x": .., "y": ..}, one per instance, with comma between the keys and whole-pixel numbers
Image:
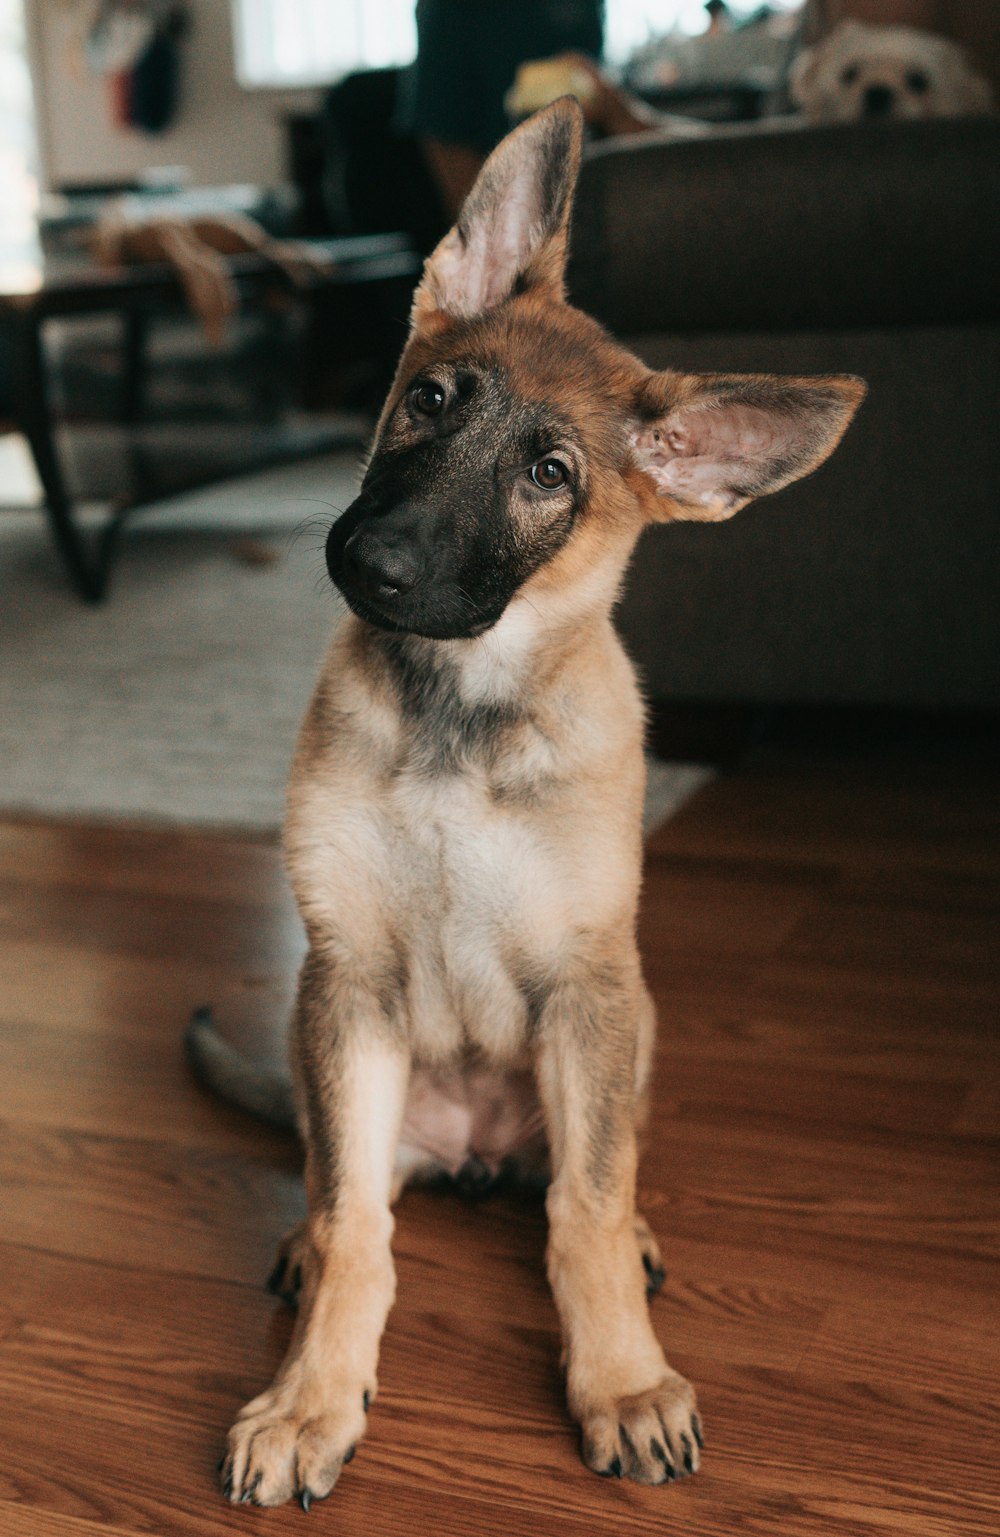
[{"x": 177, "y": 701}]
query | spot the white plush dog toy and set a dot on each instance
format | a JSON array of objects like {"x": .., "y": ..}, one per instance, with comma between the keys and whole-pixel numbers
[{"x": 859, "y": 71}]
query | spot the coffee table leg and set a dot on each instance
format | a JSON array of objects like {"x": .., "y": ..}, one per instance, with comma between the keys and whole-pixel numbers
[
  {"x": 135, "y": 334},
  {"x": 37, "y": 425}
]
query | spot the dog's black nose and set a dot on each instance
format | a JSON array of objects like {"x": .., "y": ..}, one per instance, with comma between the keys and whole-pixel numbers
[
  {"x": 878, "y": 101},
  {"x": 380, "y": 570}
]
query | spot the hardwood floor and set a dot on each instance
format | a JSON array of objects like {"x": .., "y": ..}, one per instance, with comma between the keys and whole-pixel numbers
[{"x": 820, "y": 928}]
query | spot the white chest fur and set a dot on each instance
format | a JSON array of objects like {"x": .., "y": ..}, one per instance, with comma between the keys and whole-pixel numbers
[{"x": 484, "y": 904}]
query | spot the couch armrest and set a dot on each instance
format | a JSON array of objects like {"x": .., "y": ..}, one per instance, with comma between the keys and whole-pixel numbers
[{"x": 761, "y": 227}]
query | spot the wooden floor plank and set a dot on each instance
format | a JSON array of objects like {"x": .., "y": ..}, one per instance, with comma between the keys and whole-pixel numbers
[{"x": 822, "y": 1167}]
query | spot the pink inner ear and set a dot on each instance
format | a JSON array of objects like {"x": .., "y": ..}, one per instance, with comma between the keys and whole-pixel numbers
[
  {"x": 497, "y": 255},
  {"x": 706, "y": 456},
  {"x": 470, "y": 279}
]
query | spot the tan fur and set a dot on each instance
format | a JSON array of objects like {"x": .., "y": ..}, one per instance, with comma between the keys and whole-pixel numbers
[{"x": 470, "y": 900}]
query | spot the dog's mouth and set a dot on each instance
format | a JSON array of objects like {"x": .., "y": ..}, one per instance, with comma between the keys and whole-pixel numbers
[{"x": 430, "y": 626}]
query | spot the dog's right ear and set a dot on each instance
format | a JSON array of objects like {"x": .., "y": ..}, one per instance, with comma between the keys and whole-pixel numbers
[{"x": 513, "y": 229}]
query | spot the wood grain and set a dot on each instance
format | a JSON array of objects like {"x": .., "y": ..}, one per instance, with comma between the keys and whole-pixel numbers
[{"x": 821, "y": 1166}]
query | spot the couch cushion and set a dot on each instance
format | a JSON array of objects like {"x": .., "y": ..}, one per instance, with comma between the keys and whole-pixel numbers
[{"x": 762, "y": 226}]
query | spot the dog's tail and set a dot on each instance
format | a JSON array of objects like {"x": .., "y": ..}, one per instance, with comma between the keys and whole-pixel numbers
[{"x": 263, "y": 1091}]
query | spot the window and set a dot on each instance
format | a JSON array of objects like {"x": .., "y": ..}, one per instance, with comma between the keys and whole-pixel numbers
[
  {"x": 18, "y": 161},
  {"x": 630, "y": 24},
  {"x": 314, "y": 42}
]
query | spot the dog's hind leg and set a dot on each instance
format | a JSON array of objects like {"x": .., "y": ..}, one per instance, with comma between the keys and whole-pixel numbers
[
  {"x": 285, "y": 1280},
  {"x": 649, "y": 1249},
  {"x": 649, "y": 1254},
  {"x": 637, "y": 1416},
  {"x": 353, "y": 1069}
]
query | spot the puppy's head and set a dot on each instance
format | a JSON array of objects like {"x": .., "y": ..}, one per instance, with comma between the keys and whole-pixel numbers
[
  {"x": 859, "y": 71},
  {"x": 521, "y": 449}
]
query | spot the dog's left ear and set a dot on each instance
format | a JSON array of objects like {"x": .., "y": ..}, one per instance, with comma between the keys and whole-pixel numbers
[
  {"x": 513, "y": 229},
  {"x": 708, "y": 444}
]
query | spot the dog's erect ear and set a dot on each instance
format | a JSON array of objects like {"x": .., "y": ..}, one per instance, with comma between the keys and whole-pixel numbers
[
  {"x": 708, "y": 444},
  {"x": 514, "y": 225},
  {"x": 960, "y": 88}
]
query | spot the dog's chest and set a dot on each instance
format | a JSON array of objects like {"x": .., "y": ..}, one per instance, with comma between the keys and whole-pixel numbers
[
  {"x": 457, "y": 833},
  {"x": 483, "y": 903}
]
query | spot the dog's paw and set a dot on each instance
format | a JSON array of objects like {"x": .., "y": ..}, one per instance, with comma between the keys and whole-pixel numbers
[
  {"x": 651, "y": 1437},
  {"x": 285, "y": 1280},
  {"x": 282, "y": 1448},
  {"x": 652, "y": 1259}
]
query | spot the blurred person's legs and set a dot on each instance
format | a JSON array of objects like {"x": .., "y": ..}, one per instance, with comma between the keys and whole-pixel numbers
[{"x": 468, "y": 52}]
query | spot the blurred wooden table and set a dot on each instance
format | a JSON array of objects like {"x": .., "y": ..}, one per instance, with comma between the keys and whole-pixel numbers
[{"x": 67, "y": 286}]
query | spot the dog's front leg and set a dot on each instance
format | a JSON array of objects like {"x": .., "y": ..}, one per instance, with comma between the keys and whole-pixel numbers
[
  {"x": 638, "y": 1417},
  {"x": 352, "y": 1067}
]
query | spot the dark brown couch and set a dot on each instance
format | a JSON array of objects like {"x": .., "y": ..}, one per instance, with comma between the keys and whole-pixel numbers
[{"x": 870, "y": 249}]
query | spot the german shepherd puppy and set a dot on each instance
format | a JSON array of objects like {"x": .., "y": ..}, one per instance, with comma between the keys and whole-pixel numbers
[{"x": 463, "y": 830}]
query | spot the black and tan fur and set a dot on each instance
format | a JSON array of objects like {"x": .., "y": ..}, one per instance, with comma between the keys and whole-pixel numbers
[{"x": 464, "y": 812}]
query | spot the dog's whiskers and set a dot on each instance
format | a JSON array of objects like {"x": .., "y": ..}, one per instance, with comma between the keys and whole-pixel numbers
[
  {"x": 313, "y": 527},
  {"x": 472, "y": 608},
  {"x": 542, "y": 619}
]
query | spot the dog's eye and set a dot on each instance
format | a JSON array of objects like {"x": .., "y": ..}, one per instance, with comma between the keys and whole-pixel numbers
[
  {"x": 917, "y": 82},
  {"x": 428, "y": 398},
  {"x": 549, "y": 474},
  {"x": 849, "y": 74}
]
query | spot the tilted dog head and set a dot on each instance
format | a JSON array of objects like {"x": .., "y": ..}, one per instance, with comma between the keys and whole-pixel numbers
[
  {"x": 521, "y": 450},
  {"x": 859, "y": 71}
]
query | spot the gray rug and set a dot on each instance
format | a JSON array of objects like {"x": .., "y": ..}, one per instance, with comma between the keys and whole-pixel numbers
[{"x": 178, "y": 700}]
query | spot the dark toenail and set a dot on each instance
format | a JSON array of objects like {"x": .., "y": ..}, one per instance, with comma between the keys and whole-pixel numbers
[
  {"x": 366, "y": 1400},
  {"x": 658, "y": 1451},
  {"x": 696, "y": 1427},
  {"x": 305, "y": 1500},
  {"x": 221, "y": 1463},
  {"x": 227, "y": 1487},
  {"x": 614, "y": 1468},
  {"x": 688, "y": 1459},
  {"x": 349, "y": 1455},
  {"x": 274, "y": 1280},
  {"x": 657, "y": 1275}
]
